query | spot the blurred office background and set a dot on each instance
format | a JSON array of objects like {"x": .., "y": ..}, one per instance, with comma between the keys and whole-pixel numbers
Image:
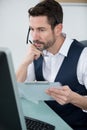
[{"x": 14, "y": 24}]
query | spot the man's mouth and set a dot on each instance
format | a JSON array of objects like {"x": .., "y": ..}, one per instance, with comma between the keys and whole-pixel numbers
[{"x": 37, "y": 44}]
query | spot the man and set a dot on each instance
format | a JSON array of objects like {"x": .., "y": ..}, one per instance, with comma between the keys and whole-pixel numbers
[{"x": 56, "y": 58}]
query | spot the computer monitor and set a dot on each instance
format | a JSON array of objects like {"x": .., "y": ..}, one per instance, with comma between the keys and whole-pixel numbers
[{"x": 11, "y": 114}]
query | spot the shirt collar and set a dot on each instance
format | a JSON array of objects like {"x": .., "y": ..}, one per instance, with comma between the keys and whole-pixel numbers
[{"x": 65, "y": 46}]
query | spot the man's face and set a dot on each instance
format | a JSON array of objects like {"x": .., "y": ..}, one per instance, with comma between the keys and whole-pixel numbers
[{"x": 42, "y": 34}]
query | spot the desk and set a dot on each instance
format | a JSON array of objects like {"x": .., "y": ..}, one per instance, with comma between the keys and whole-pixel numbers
[{"x": 43, "y": 112}]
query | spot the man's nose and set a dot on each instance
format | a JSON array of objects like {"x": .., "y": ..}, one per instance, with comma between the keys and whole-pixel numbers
[{"x": 35, "y": 35}]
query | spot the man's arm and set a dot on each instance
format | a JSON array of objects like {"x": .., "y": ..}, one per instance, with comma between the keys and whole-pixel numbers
[
  {"x": 65, "y": 95},
  {"x": 79, "y": 101},
  {"x": 32, "y": 53},
  {"x": 21, "y": 73}
]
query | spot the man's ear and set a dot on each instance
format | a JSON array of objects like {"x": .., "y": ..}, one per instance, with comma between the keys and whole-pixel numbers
[{"x": 58, "y": 29}]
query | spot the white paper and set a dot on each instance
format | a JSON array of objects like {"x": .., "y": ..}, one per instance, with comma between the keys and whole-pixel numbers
[{"x": 35, "y": 91}]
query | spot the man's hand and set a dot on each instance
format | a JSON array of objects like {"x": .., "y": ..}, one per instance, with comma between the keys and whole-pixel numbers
[
  {"x": 32, "y": 53},
  {"x": 62, "y": 95},
  {"x": 65, "y": 95}
]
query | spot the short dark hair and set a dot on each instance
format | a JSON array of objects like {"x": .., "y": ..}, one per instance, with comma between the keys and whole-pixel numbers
[{"x": 49, "y": 8}]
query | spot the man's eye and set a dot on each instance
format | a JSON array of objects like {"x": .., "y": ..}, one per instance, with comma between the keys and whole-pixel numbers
[{"x": 42, "y": 30}]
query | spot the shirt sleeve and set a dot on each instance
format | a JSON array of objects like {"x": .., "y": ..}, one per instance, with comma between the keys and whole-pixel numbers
[
  {"x": 30, "y": 73},
  {"x": 82, "y": 68}
]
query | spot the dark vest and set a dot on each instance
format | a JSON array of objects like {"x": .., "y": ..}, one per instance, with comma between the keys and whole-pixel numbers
[{"x": 67, "y": 75}]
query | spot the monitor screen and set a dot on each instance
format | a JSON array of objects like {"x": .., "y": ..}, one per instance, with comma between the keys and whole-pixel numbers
[{"x": 9, "y": 115}]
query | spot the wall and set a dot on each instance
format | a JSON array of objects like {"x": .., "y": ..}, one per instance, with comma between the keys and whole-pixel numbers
[
  {"x": 14, "y": 25},
  {"x": 75, "y": 20}
]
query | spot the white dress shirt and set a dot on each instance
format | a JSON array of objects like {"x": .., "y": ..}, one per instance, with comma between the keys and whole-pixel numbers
[{"x": 52, "y": 64}]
